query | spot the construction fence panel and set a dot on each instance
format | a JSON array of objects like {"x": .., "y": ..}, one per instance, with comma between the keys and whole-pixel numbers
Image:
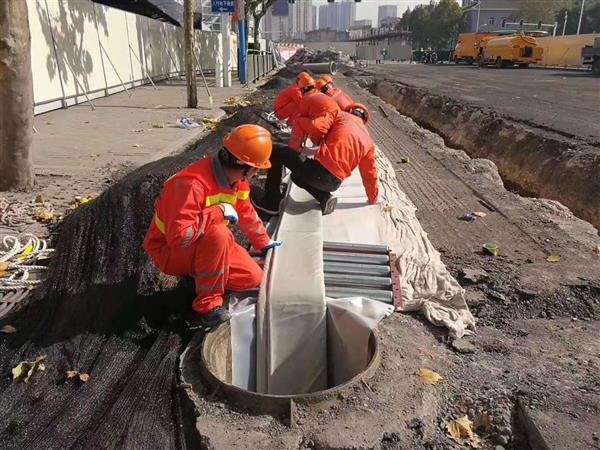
[
  {"x": 81, "y": 50},
  {"x": 565, "y": 51}
]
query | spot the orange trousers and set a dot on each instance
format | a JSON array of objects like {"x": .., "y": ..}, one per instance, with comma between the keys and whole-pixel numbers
[{"x": 216, "y": 262}]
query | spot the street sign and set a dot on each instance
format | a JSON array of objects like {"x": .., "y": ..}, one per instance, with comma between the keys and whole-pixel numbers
[{"x": 223, "y": 6}]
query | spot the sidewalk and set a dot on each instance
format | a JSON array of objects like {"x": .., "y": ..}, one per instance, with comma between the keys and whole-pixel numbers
[{"x": 80, "y": 151}]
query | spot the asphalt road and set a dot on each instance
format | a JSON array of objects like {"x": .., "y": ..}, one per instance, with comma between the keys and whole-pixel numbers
[{"x": 563, "y": 100}]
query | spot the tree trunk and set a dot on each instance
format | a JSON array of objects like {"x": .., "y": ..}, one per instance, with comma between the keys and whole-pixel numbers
[
  {"x": 188, "y": 38},
  {"x": 16, "y": 97},
  {"x": 256, "y": 31}
]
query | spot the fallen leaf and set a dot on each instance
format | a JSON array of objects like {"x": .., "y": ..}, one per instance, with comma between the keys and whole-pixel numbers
[
  {"x": 597, "y": 250},
  {"x": 44, "y": 215},
  {"x": 8, "y": 329},
  {"x": 27, "y": 367},
  {"x": 84, "y": 377},
  {"x": 388, "y": 208},
  {"x": 158, "y": 125},
  {"x": 553, "y": 258},
  {"x": 460, "y": 429},
  {"x": 39, "y": 199},
  {"x": 71, "y": 373},
  {"x": 429, "y": 376},
  {"x": 479, "y": 214}
]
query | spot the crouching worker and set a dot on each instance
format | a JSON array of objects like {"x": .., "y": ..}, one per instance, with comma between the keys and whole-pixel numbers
[
  {"x": 189, "y": 232},
  {"x": 344, "y": 145}
]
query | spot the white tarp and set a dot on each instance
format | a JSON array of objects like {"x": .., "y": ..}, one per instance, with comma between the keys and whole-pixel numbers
[
  {"x": 426, "y": 284},
  {"x": 292, "y": 330}
]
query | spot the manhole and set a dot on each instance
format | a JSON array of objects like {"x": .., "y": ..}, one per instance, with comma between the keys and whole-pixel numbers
[{"x": 206, "y": 367}]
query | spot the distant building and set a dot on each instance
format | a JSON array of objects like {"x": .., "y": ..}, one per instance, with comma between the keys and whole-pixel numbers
[
  {"x": 490, "y": 13},
  {"x": 386, "y": 11},
  {"x": 337, "y": 16},
  {"x": 389, "y": 22},
  {"x": 285, "y": 21}
]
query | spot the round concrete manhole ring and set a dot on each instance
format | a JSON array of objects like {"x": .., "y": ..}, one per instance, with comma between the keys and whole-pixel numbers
[{"x": 206, "y": 362}]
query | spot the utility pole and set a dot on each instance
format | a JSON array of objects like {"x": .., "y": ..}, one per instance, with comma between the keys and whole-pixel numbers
[
  {"x": 478, "y": 15},
  {"x": 188, "y": 44},
  {"x": 242, "y": 41},
  {"x": 565, "y": 23},
  {"x": 580, "y": 16},
  {"x": 16, "y": 97}
]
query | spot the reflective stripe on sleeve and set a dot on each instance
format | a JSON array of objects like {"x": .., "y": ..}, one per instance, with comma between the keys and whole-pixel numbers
[
  {"x": 243, "y": 195},
  {"x": 221, "y": 198},
  {"x": 208, "y": 274},
  {"x": 159, "y": 224},
  {"x": 206, "y": 287}
]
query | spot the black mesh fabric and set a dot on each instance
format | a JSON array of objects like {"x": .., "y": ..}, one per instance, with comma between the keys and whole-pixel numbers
[{"x": 88, "y": 317}]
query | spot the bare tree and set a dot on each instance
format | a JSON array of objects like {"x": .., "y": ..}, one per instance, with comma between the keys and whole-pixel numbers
[
  {"x": 16, "y": 97},
  {"x": 188, "y": 38},
  {"x": 258, "y": 9}
]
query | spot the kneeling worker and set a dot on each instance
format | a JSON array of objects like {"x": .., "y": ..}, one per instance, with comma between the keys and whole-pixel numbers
[
  {"x": 288, "y": 100},
  {"x": 189, "y": 235},
  {"x": 345, "y": 145},
  {"x": 325, "y": 85}
]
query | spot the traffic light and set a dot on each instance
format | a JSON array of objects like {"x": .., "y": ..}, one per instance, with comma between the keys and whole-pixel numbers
[
  {"x": 330, "y": 1},
  {"x": 540, "y": 25},
  {"x": 292, "y": 1}
]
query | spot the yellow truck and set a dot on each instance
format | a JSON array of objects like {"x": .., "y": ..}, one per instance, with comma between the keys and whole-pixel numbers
[
  {"x": 508, "y": 51},
  {"x": 468, "y": 44}
]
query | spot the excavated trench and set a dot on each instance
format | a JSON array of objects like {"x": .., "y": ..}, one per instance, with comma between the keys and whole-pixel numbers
[{"x": 530, "y": 160}]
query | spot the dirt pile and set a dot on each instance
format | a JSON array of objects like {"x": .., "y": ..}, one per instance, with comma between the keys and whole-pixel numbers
[
  {"x": 306, "y": 56},
  {"x": 88, "y": 318}
]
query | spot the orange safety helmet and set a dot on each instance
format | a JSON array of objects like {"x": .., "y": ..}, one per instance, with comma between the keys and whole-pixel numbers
[
  {"x": 305, "y": 81},
  {"x": 320, "y": 105},
  {"x": 327, "y": 79},
  {"x": 320, "y": 84},
  {"x": 251, "y": 144},
  {"x": 302, "y": 75},
  {"x": 359, "y": 110}
]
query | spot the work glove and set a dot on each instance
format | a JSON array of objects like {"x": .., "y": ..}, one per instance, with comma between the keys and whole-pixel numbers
[
  {"x": 229, "y": 213},
  {"x": 269, "y": 246}
]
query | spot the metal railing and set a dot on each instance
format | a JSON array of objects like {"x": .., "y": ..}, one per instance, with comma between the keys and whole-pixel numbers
[{"x": 259, "y": 63}]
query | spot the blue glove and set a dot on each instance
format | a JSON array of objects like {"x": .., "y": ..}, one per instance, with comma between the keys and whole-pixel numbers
[
  {"x": 229, "y": 213},
  {"x": 269, "y": 246}
]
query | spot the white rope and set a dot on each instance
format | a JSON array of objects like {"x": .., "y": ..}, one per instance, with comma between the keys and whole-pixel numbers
[{"x": 21, "y": 253}]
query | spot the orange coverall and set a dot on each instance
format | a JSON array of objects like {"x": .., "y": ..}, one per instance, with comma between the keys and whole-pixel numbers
[
  {"x": 343, "y": 100},
  {"x": 287, "y": 103},
  {"x": 189, "y": 236},
  {"x": 317, "y": 113},
  {"x": 346, "y": 146}
]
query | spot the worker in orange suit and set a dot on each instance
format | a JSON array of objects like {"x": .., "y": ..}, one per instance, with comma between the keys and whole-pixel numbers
[
  {"x": 359, "y": 110},
  {"x": 288, "y": 101},
  {"x": 316, "y": 114},
  {"x": 325, "y": 85},
  {"x": 189, "y": 232},
  {"x": 345, "y": 146}
]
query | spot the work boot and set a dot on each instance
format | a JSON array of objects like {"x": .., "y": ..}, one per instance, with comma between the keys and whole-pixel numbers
[
  {"x": 265, "y": 205},
  {"x": 211, "y": 319},
  {"x": 328, "y": 205}
]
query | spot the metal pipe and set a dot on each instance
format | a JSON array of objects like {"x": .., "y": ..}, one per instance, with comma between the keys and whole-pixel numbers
[
  {"x": 347, "y": 247},
  {"x": 326, "y": 67},
  {"x": 359, "y": 258},
  {"x": 342, "y": 292},
  {"x": 358, "y": 280},
  {"x": 358, "y": 269}
]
